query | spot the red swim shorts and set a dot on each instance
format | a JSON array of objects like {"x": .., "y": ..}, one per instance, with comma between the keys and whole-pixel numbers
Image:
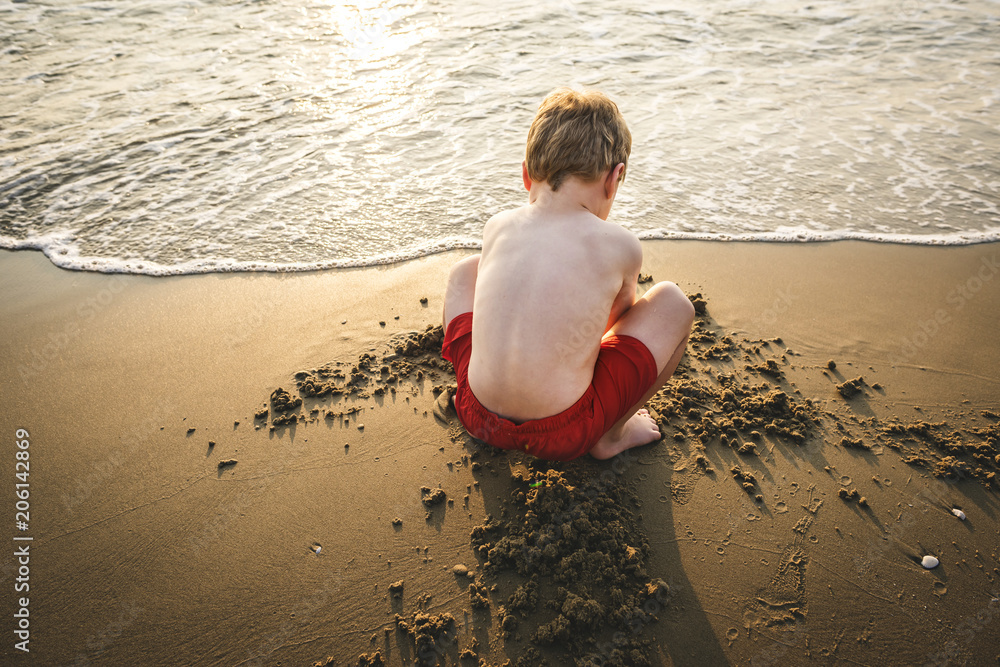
[{"x": 625, "y": 370}]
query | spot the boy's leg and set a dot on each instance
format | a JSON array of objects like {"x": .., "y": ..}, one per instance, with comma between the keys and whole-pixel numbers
[
  {"x": 461, "y": 291},
  {"x": 661, "y": 319}
]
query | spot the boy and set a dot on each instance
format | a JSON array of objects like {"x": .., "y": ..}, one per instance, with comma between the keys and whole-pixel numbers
[{"x": 562, "y": 355}]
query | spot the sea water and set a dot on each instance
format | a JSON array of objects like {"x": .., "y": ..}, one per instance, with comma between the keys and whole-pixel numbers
[{"x": 183, "y": 136}]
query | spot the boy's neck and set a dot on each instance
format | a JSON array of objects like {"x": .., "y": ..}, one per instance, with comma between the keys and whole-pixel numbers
[{"x": 573, "y": 195}]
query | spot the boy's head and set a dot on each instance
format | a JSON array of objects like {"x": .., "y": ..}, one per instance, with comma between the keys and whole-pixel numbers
[{"x": 576, "y": 134}]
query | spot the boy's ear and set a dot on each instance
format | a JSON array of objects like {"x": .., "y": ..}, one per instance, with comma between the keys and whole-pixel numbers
[
  {"x": 613, "y": 179},
  {"x": 524, "y": 175}
]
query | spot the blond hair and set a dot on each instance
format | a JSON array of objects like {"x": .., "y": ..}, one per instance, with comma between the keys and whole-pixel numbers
[{"x": 576, "y": 134}]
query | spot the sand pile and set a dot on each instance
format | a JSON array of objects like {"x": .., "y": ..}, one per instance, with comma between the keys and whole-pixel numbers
[
  {"x": 581, "y": 588},
  {"x": 404, "y": 361}
]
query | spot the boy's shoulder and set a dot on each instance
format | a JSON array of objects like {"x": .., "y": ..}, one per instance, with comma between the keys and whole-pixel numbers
[
  {"x": 506, "y": 216},
  {"x": 628, "y": 245},
  {"x": 611, "y": 235}
]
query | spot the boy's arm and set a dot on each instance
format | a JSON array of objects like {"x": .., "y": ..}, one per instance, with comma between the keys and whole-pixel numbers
[{"x": 630, "y": 283}]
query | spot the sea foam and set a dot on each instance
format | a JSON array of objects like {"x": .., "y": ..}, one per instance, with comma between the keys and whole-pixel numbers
[{"x": 63, "y": 254}]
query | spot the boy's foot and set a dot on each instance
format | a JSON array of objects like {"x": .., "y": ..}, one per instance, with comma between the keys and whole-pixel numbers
[
  {"x": 640, "y": 429},
  {"x": 444, "y": 407}
]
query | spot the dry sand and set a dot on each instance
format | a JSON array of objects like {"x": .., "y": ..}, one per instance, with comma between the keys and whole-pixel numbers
[{"x": 166, "y": 533}]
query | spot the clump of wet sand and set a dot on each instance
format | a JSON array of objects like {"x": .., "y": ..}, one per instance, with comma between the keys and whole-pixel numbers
[
  {"x": 431, "y": 497},
  {"x": 851, "y": 388},
  {"x": 571, "y": 559},
  {"x": 947, "y": 452},
  {"x": 424, "y": 632}
]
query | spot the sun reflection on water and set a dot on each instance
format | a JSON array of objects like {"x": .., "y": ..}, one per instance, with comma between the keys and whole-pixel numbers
[{"x": 366, "y": 42}]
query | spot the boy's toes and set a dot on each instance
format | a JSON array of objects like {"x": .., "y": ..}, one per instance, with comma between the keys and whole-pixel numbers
[{"x": 654, "y": 428}]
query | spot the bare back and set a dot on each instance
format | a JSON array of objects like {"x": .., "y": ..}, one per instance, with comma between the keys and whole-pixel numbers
[{"x": 547, "y": 286}]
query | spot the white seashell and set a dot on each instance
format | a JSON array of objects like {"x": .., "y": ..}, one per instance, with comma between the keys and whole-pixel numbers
[
  {"x": 929, "y": 562},
  {"x": 959, "y": 513}
]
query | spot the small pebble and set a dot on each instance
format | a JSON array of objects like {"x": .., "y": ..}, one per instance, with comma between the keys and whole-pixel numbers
[
  {"x": 460, "y": 570},
  {"x": 959, "y": 513},
  {"x": 929, "y": 562}
]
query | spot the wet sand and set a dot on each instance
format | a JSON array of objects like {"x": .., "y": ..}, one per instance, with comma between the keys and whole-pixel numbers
[{"x": 781, "y": 518}]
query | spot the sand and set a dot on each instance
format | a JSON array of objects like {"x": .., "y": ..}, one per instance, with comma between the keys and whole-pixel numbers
[{"x": 186, "y": 511}]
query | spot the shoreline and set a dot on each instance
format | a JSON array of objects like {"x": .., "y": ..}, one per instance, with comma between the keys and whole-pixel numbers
[
  {"x": 109, "y": 372},
  {"x": 59, "y": 257}
]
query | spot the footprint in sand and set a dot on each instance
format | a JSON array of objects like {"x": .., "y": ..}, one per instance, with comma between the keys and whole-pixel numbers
[
  {"x": 783, "y": 600},
  {"x": 687, "y": 472}
]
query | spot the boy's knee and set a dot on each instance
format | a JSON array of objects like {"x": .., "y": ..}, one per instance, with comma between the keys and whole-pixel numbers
[
  {"x": 464, "y": 271},
  {"x": 672, "y": 301}
]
